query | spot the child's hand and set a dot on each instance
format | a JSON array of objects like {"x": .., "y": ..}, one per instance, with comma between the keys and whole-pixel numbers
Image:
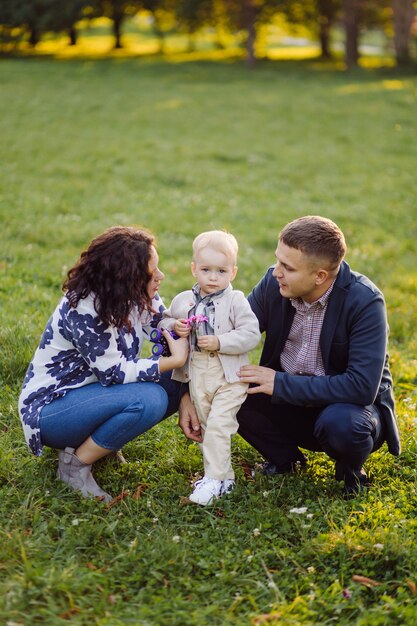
[
  {"x": 208, "y": 342},
  {"x": 181, "y": 328}
]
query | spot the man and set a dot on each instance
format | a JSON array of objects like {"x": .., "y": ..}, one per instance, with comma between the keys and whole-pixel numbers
[{"x": 323, "y": 382}]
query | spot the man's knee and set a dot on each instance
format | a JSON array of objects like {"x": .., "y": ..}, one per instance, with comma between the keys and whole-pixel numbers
[
  {"x": 341, "y": 426},
  {"x": 252, "y": 409}
]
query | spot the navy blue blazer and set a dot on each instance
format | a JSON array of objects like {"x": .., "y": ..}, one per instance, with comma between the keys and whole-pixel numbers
[{"x": 353, "y": 344}]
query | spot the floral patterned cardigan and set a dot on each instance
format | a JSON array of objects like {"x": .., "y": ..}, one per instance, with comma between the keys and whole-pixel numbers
[{"x": 77, "y": 349}]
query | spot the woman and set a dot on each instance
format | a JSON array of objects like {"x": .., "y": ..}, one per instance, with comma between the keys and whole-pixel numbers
[{"x": 86, "y": 391}]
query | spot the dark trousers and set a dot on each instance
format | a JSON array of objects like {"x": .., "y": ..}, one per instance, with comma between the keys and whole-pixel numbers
[{"x": 348, "y": 433}]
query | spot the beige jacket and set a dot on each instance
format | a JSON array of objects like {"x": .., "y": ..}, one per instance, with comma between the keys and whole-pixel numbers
[{"x": 236, "y": 328}]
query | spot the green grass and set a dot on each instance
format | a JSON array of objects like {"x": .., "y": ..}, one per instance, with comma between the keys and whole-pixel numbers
[{"x": 182, "y": 147}]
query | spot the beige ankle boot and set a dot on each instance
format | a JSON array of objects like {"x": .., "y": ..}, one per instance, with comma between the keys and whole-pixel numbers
[{"x": 73, "y": 472}]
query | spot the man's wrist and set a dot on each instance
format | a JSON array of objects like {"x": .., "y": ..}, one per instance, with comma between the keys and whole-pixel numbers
[{"x": 184, "y": 389}]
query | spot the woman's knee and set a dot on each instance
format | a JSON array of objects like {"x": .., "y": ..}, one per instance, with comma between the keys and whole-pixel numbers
[{"x": 152, "y": 402}]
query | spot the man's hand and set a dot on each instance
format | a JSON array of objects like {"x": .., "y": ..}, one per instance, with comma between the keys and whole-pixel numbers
[
  {"x": 188, "y": 420},
  {"x": 208, "y": 342},
  {"x": 262, "y": 376}
]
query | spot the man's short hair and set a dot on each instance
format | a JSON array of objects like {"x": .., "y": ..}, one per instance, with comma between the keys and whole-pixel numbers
[
  {"x": 316, "y": 236},
  {"x": 219, "y": 240}
]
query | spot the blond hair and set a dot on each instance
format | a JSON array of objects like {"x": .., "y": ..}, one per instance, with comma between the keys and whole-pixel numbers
[{"x": 219, "y": 240}]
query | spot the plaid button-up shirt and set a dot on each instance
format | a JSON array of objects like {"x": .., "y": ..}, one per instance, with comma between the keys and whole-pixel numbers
[{"x": 301, "y": 354}]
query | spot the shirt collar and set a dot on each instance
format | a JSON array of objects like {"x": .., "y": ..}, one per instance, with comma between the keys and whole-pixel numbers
[
  {"x": 207, "y": 299},
  {"x": 300, "y": 305}
]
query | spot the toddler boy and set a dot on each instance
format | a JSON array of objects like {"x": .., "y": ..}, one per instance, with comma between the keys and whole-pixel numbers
[{"x": 225, "y": 330}]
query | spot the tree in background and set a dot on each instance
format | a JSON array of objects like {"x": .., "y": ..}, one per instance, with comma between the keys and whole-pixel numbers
[
  {"x": 319, "y": 16},
  {"x": 30, "y": 19},
  {"x": 9, "y": 33},
  {"x": 163, "y": 18},
  {"x": 37, "y": 17},
  {"x": 245, "y": 16},
  {"x": 327, "y": 13},
  {"x": 351, "y": 25},
  {"x": 192, "y": 15},
  {"x": 117, "y": 11},
  {"x": 403, "y": 14},
  {"x": 359, "y": 15}
]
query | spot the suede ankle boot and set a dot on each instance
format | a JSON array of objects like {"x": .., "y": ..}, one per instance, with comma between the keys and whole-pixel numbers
[{"x": 74, "y": 472}]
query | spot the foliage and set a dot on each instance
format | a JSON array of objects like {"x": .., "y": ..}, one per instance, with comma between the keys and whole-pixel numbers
[
  {"x": 117, "y": 11},
  {"x": 182, "y": 148},
  {"x": 230, "y": 19},
  {"x": 41, "y": 16}
]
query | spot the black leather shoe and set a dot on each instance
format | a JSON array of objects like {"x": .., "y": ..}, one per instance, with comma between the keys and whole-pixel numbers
[
  {"x": 356, "y": 481},
  {"x": 290, "y": 467}
]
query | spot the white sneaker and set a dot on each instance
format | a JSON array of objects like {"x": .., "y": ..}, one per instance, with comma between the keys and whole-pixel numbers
[
  {"x": 205, "y": 490},
  {"x": 228, "y": 485}
]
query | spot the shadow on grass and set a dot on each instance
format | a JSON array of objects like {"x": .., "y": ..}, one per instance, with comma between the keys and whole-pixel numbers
[
  {"x": 206, "y": 68},
  {"x": 281, "y": 59}
]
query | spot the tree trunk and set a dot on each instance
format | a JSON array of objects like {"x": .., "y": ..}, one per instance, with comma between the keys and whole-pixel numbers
[
  {"x": 249, "y": 22},
  {"x": 403, "y": 19},
  {"x": 72, "y": 33},
  {"x": 351, "y": 23},
  {"x": 159, "y": 33},
  {"x": 191, "y": 47},
  {"x": 34, "y": 37},
  {"x": 324, "y": 37},
  {"x": 117, "y": 31}
]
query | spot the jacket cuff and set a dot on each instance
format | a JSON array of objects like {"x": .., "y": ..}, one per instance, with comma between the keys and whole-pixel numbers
[{"x": 275, "y": 399}]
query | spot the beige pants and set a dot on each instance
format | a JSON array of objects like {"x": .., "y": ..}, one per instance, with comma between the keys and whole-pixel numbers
[{"x": 217, "y": 403}]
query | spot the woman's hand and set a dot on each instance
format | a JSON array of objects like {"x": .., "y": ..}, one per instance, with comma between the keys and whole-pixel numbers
[
  {"x": 188, "y": 420},
  {"x": 181, "y": 328},
  {"x": 179, "y": 353}
]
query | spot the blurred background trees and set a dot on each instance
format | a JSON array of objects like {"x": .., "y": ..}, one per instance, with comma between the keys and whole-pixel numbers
[{"x": 243, "y": 20}]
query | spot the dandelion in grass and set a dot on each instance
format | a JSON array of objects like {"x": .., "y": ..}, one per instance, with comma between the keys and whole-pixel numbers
[
  {"x": 378, "y": 546},
  {"x": 75, "y": 522},
  {"x": 155, "y": 520},
  {"x": 256, "y": 532},
  {"x": 265, "y": 494},
  {"x": 176, "y": 538}
]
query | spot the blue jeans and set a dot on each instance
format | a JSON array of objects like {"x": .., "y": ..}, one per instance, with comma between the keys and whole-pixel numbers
[{"x": 111, "y": 416}]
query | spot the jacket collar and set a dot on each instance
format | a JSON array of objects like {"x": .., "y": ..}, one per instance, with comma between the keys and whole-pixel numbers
[{"x": 334, "y": 307}]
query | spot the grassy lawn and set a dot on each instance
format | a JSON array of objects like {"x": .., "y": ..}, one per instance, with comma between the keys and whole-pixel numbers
[{"x": 182, "y": 147}]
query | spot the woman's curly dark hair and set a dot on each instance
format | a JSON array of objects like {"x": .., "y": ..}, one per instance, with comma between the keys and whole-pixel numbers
[{"x": 115, "y": 269}]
